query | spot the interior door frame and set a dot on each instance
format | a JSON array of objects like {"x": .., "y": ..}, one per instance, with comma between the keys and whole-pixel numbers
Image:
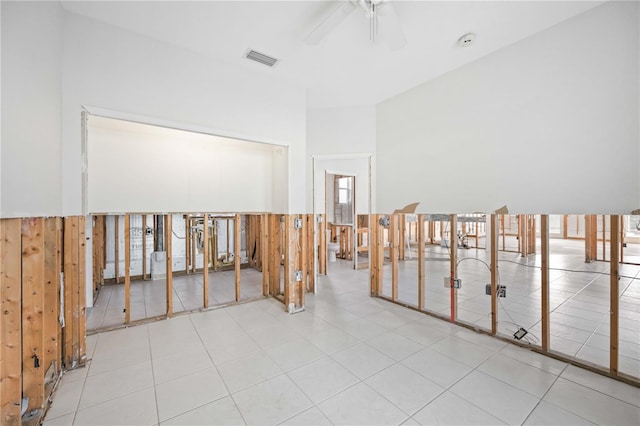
[{"x": 318, "y": 168}]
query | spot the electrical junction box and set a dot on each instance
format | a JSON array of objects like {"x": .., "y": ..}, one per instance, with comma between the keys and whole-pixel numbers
[
  {"x": 297, "y": 223},
  {"x": 385, "y": 221},
  {"x": 502, "y": 290},
  {"x": 457, "y": 282},
  {"x": 298, "y": 276}
]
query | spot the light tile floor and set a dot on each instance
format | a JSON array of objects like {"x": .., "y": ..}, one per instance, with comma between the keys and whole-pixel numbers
[
  {"x": 349, "y": 359},
  {"x": 579, "y": 298}
]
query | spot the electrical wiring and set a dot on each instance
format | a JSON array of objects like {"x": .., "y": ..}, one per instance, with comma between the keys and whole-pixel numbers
[{"x": 566, "y": 270}]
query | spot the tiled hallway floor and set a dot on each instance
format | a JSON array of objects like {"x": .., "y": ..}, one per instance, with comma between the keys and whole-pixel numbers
[{"x": 349, "y": 359}]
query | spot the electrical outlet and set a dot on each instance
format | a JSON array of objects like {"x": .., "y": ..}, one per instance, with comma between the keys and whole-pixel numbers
[
  {"x": 502, "y": 290},
  {"x": 520, "y": 333},
  {"x": 298, "y": 276}
]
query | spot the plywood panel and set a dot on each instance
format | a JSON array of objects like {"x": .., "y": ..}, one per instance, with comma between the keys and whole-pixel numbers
[{"x": 10, "y": 321}]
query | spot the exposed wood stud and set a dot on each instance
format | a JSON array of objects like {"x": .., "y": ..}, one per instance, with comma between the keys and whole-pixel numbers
[
  {"x": 144, "y": 246},
  {"x": 51, "y": 291},
  {"x": 237, "y": 245},
  {"x": 194, "y": 248},
  {"x": 402, "y": 225},
  {"x": 127, "y": 269},
  {"x": 288, "y": 264},
  {"x": 546, "y": 313},
  {"x": 393, "y": 254},
  {"x": 614, "y": 295},
  {"x": 116, "y": 224},
  {"x": 205, "y": 265},
  {"x": 311, "y": 247},
  {"x": 453, "y": 245},
  {"x": 81, "y": 318},
  {"x": 33, "y": 260},
  {"x": 266, "y": 262},
  {"x": 494, "y": 274},
  {"x": 322, "y": 250},
  {"x": 187, "y": 245},
  {"x": 421, "y": 292},
  {"x": 168, "y": 219},
  {"x": 10, "y": 321},
  {"x": 373, "y": 251},
  {"x": 302, "y": 263}
]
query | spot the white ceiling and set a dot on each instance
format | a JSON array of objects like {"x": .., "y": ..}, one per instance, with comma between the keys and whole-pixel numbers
[{"x": 346, "y": 68}]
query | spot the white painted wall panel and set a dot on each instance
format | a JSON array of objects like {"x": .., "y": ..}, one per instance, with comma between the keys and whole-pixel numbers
[
  {"x": 547, "y": 125},
  {"x": 140, "y": 168},
  {"x": 341, "y": 140},
  {"x": 31, "y": 173},
  {"x": 117, "y": 70}
]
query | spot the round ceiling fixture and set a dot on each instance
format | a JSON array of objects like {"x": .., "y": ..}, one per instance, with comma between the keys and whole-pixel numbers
[{"x": 466, "y": 40}]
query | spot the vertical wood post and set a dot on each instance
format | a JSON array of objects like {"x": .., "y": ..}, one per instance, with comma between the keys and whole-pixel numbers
[
  {"x": 494, "y": 274},
  {"x": 393, "y": 253},
  {"x": 453, "y": 245},
  {"x": 311, "y": 254},
  {"x": 82, "y": 292},
  {"x": 127, "y": 269},
  {"x": 205, "y": 265},
  {"x": 187, "y": 245},
  {"x": 10, "y": 321},
  {"x": 52, "y": 291},
  {"x": 264, "y": 245},
  {"x": 546, "y": 313},
  {"x": 304, "y": 248},
  {"x": 420, "y": 229},
  {"x": 194, "y": 249},
  {"x": 237, "y": 245},
  {"x": 144, "y": 246},
  {"x": 401, "y": 235},
  {"x": 274, "y": 254},
  {"x": 322, "y": 249},
  {"x": 288, "y": 266},
  {"x": 614, "y": 295},
  {"x": 33, "y": 258},
  {"x": 168, "y": 220},
  {"x": 373, "y": 251},
  {"x": 116, "y": 224},
  {"x": 74, "y": 333}
]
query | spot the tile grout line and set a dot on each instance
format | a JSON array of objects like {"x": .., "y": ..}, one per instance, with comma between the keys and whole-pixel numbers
[{"x": 218, "y": 371}]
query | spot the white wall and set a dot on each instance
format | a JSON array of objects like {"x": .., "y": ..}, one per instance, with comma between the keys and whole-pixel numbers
[
  {"x": 343, "y": 141},
  {"x": 30, "y": 167},
  {"x": 113, "y": 69},
  {"x": 547, "y": 125},
  {"x": 134, "y": 167}
]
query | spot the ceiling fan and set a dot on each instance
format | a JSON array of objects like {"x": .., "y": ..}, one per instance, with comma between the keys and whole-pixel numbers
[{"x": 373, "y": 9}]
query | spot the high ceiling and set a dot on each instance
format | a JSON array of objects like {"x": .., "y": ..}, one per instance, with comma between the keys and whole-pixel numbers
[{"x": 345, "y": 68}]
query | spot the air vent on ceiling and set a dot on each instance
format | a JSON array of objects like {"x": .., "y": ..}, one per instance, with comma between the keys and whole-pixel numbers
[{"x": 261, "y": 57}]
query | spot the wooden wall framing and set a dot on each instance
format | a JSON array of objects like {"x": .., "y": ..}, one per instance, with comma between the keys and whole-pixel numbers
[{"x": 33, "y": 344}]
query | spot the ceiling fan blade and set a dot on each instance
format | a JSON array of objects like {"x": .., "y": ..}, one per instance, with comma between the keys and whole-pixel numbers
[
  {"x": 330, "y": 21},
  {"x": 391, "y": 28}
]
